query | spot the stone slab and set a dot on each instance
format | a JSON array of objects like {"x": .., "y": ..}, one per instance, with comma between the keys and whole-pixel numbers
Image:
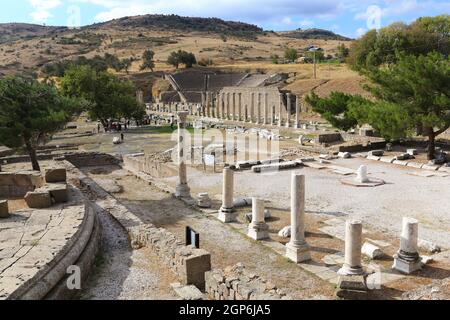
[
  {"x": 414, "y": 164},
  {"x": 55, "y": 175},
  {"x": 431, "y": 167},
  {"x": 387, "y": 159},
  {"x": 376, "y": 158},
  {"x": 38, "y": 199},
  {"x": 401, "y": 162}
]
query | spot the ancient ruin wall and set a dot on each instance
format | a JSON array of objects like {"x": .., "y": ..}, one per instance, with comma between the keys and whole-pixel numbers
[
  {"x": 189, "y": 264},
  {"x": 236, "y": 283},
  {"x": 148, "y": 165},
  {"x": 90, "y": 159}
]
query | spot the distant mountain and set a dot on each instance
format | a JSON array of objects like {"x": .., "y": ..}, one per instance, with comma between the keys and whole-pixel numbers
[
  {"x": 314, "y": 33},
  {"x": 188, "y": 24}
]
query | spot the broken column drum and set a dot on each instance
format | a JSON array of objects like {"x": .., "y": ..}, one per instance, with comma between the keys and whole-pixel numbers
[
  {"x": 352, "y": 261},
  {"x": 258, "y": 229},
  {"x": 407, "y": 259}
]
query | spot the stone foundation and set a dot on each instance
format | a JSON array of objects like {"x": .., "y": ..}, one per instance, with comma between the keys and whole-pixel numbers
[
  {"x": 236, "y": 283},
  {"x": 17, "y": 184},
  {"x": 187, "y": 262}
]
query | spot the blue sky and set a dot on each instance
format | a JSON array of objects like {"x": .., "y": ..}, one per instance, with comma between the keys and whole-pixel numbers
[{"x": 350, "y": 18}]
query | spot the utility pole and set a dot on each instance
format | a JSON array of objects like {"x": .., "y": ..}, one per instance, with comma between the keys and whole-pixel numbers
[{"x": 315, "y": 65}]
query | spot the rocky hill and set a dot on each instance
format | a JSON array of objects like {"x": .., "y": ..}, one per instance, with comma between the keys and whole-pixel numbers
[{"x": 314, "y": 33}]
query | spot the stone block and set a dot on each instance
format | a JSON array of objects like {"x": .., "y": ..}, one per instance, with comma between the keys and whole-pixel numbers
[
  {"x": 187, "y": 292},
  {"x": 387, "y": 159},
  {"x": 376, "y": 158},
  {"x": 371, "y": 251},
  {"x": 413, "y": 164},
  {"x": 58, "y": 192},
  {"x": 195, "y": 267},
  {"x": 4, "y": 209},
  {"x": 344, "y": 155},
  {"x": 412, "y": 152},
  {"x": 376, "y": 153},
  {"x": 55, "y": 175},
  {"x": 38, "y": 199}
]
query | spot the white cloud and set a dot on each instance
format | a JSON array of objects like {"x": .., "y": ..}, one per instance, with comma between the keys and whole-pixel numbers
[
  {"x": 360, "y": 32},
  {"x": 42, "y": 9}
]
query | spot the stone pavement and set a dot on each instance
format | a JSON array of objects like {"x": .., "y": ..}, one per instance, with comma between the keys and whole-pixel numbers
[{"x": 30, "y": 239}]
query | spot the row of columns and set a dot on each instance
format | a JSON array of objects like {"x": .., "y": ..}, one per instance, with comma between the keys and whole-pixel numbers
[{"x": 229, "y": 106}]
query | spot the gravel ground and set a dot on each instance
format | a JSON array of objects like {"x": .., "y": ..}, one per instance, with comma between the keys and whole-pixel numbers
[{"x": 125, "y": 274}]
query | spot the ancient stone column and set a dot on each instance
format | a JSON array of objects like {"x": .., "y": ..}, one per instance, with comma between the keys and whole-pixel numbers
[
  {"x": 352, "y": 261},
  {"x": 297, "y": 249},
  {"x": 182, "y": 189},
  {"x": 272, "y": 115},
  {"x": 222, "y": 106},
  {"x": 407, "y": 259},
  {"x": 266, "y": 111},
  {"x": 226, "y": 212},
  {"x": 252, "y": 106},
  {"x": 258, "y": 229},
  {"x": 288, "y": 109},
  {"x": 280, "y": 111},
  {"x": 297, "y": 112},
  {"x": 258, "y": 110},
  {"x": 239, "y": 106},
  {"x": 228, "y": 106}
]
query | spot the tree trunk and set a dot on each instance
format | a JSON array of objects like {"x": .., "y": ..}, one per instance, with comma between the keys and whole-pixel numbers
[
  {"x": 431, "y": 145},
  {"x": 32, "y": 152}
]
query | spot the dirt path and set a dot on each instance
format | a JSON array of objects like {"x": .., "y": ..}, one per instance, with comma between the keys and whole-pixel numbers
[
  {"x": 226, "y": 245},
  {"x": 125, "y": 274}
]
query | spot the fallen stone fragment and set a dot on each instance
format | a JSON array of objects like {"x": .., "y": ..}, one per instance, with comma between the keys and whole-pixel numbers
[
  {"x": 344, "y": 155},
  {"x": 190, "y": 292},
  {"x": 285, "y": 232},
  {"x": 377, "y": 153},
  {"x": 428, "y": 246},
  {"x": 371, "y": 251}
]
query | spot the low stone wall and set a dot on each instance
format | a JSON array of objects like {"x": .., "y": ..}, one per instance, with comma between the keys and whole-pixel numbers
[
  {"x": 70, "y": 238},
  {"x": 91, "y": 159},
  {"x": 236, "y": 283},
  {"x": 141, "y": 163},
  {"x": 360, "y": 147},
  {"x": 188, "y": 263},
  {"x": 17, "y": 184},
  {"x": 328, "y": 137}
]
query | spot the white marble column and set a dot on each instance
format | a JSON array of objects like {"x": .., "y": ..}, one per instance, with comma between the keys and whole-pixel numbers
[
  {"x": 297, "y": 112},
  {"x": 228, "y": 105},
  {"x": 407, "y": 259},
  {"x": 258, "y": 229},
  {"x": 266, "y": 111},
  {"x": 258, "y": 109},
  {"x": 298, "y": 249},
  {"x": 288, "y": 109},
  {"x": 252, "y": 107},
  {"x": 280, "y": 111},
  {"x": 226, "y": 212},
  {"x": 182, "y": 189},
  {"x": 353, "y": 238}
]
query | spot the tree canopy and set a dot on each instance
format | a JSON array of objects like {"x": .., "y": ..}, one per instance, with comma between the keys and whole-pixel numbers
[
  {"x": 410, "y": 84},
  {"x": 181, "y": 57},
  {"x": 30, "y": 112},
  {"x": 290, "y": 54},
  {"x": 148, "y": 62},
  {"x": 108, "y": 96}
]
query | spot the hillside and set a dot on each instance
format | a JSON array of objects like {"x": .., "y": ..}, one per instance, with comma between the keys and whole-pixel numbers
[
  {"x": 314, "y": 33},
  {"x": 234, "y": 46}
]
